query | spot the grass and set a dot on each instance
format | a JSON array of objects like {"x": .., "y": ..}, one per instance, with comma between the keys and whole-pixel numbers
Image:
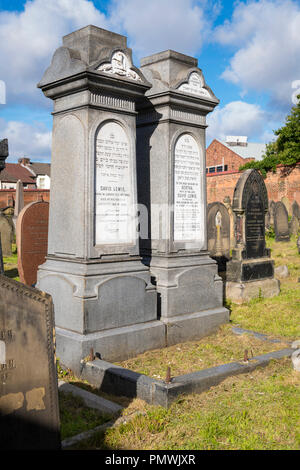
[
  {"x": 259, "y": 410},
  {"x": 75, "y": 417},
  {"x": 11, "y": 264},
  {"x": 214, "y": 350},
  {"x": 252, "y": 411}
]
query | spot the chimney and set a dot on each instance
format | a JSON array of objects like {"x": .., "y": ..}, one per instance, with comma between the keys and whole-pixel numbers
[{"x": 24, "y": 161}]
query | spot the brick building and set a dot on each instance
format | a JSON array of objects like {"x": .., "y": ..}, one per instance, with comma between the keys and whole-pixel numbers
[{"x": 228, "y": 156}]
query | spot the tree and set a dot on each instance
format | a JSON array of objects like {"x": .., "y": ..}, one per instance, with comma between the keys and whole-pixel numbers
[{"x": 286, "y": 149}]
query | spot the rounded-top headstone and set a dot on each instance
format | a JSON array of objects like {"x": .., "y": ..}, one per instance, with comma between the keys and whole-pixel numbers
[{"x": 32, "y": 240}]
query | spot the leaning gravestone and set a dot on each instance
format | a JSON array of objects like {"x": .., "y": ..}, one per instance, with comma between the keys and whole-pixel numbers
[
  {"x": 29, "y": 414},
  {"x": 32, "y": 240},
  {"x": 7, "y": 232},
  {"x": 281, "y": 223},
  {"x": 251, "y": 271},
  {"x": 218, "y": 234}
]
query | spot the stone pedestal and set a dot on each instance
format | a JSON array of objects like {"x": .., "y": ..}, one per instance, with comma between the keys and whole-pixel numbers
[
  {"x": 102, "y": 292},
  {"x": 172, "y": 185},
  {"x": 250, "y": 273}
]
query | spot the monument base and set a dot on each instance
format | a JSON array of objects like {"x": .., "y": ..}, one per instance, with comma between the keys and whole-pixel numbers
[
  {"x": 194, "y": 326},
  {"x": 111, "y": 345},
  {"x": 240, "y": 292},
  {"x": 186, "y": 284}
]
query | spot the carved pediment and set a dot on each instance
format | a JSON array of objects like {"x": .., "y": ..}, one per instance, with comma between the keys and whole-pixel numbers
[
  {"x": 119, "y": 65},
  {"x": 194, "y": 85}
]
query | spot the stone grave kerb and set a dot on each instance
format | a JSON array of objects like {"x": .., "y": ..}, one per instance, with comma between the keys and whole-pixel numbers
[{"x": 91, "y": 269}]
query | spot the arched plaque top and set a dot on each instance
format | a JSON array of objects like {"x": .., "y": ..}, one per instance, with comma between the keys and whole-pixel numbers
[{"x": 251, "y": 182}]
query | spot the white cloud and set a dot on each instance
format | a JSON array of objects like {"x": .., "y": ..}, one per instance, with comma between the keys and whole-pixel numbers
[
  {"x": 157, "y": 25},
  {"x": 267, "y": 35},
  {"x": 33, "y": 141},
  {"x": 29, "y": 38},
  {"x": 237, "y": 118}
]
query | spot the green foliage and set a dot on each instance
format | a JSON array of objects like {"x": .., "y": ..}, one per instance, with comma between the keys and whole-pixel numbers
[{"x": 285, "y": 150}]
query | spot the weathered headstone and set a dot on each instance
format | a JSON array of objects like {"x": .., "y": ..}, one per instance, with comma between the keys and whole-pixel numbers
[
  {"x": 7, "y": 233},
  {"x": 298, "y": 244},
  {"x": 281, "y": 223},
  {"x": 19, "y": 202},
  {"x": 287, "y": 204},
  {"x": 101, "y": 290},
  {"x": 271, "y": 212},
  {"x": 227, "y": 204},
  {"x": 29, "y": 414},
  {"x": 251, "y": 271},
  {"x": 172, "y": 185},
  {"x": 296, "y": 210},
  {"x": 218, "y": 234},
  {"x": 294, "y": 226},
  {"x": 32, "y": 240}
]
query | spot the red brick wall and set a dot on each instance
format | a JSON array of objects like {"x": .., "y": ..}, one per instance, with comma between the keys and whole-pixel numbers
[
  {"x": 217, "y": 153},
  {"x": 280, "y": 184},
  {"x": 7, "y": 196}
]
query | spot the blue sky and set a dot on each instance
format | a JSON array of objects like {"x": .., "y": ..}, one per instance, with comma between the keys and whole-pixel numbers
[{"x": 249, "y": 52}]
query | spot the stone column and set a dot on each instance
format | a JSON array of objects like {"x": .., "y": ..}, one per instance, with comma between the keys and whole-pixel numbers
[
  {"x": 102, "y": 292},
  {"x": 172, "y": 185}
]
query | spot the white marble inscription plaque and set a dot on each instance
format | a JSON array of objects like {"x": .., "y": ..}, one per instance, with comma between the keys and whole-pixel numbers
[
  {"x": 188, "y": 200},
  {"x": 115, "y": 215},
  {"x": 194, "y": 85}
]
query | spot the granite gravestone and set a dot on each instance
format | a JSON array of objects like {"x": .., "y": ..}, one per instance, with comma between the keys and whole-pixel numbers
[
  {"x": 281, "y": 223},
  {"x": 7, "y": 234},
  {"x": 251, "y": 271},
  {"x": 32, "y": 240},
  {"x": 29, "y": 414},
  {"x": 101, "y": 290},
  {"x": 172, "y": 185},
  {"x": 218, "y": 234}
]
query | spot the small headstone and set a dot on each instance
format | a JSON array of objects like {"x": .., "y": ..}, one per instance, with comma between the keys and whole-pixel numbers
[
  {"x": 218, "y": 233},
  {"x": 271, "y": 212},
  {"x": 7, "y": 231},
  {"x": 32, "y": 240},
  {"x": 294, "y": 226},
  {"x": 287, "y": 204},
  {"x": 29, "y": 414},
  {"x": 282, "y": 271},
  {"x": 296, "y": 210},
  {"x": 298, "y": 245},
  {"x": 281, "y": 223}
]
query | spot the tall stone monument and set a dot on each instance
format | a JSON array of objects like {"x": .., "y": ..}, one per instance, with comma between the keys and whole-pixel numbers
[
  {"x": 102, "y": 292},
  {"x": 250, "y": 273},
  {"x": 172, "y": 185}
]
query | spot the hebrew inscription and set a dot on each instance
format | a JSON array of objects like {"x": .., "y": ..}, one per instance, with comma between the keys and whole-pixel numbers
[
  {"x": 114, "y": 209},
  {"x": 188, "y": 203}
]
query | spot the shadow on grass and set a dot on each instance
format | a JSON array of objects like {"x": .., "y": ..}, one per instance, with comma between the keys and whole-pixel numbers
[{"x": 12, "y": 273}]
